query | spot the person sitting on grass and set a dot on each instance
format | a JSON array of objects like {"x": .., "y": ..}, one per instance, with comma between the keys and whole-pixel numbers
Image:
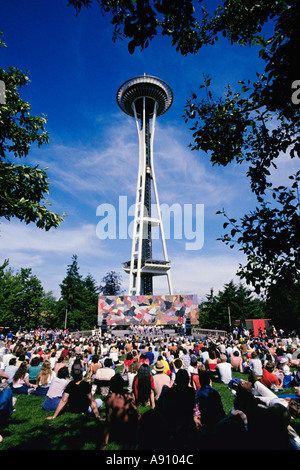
[
  {"x": 160, "y": 379},
  {"x": 10, "y": 370},
  {"x": 78, "y": 396},
  {"x": 143, "y": 386},
  {"x": 44, "y": 379},
  {"x": 236, "y": 361},
  {"x": 103, "y": 376},
  {"x": 56, "y": 389},
  {"x": 34, "y": 368},
  {"x": 132, "y": 371},
  {"x": 6, "y": 407},
  {"x": 127, "y": 362},
  {"x": 224, "y": 370},
  {"x": 20, "y": 384},
  {"x": 176, "y": 405},
  {"x": 209, "y": 402},
  {"x": 122, "y": 415},
  {"x": 271, "y": 379}
]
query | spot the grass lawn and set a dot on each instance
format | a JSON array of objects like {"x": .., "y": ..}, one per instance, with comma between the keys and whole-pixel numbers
[{"x": 29, "y": 430}]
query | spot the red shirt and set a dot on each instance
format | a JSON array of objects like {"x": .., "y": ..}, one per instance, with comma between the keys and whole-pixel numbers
[
  {"x": 144, "y": 361},
  {"x": 128, "y": 362},
  {"x": 268, "y": 379},
  {"x": 64, "y": 352}
]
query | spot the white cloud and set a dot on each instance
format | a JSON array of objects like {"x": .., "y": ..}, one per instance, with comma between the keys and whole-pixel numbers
[
  {"x": 49, "y": 253},
  {"x": 18, "y": 237},
  {"x": 101, "y": 171},
  {"x": 198, "y": 274}
]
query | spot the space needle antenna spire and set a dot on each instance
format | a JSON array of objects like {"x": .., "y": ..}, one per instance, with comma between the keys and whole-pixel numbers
[{"x": 145, "y": 98}]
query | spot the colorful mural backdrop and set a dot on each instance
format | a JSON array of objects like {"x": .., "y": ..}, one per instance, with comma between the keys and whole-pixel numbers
[{"x": 148, "y": 309}]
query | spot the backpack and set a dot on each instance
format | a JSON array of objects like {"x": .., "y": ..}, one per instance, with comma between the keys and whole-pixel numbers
[{"x": 234, "y": 383}]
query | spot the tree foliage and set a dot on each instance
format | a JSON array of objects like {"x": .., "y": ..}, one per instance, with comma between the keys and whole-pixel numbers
[
  {"x": 78, "y": 305},
  {"x": 141, "y": 20},
  {"x": 111, "y": 284},
  {"x": 23, "y": 301},
  {"x": 283, "y": 305},
  {"x": 256, "y": 125},
  {"x": 23, "y": 188},
  {"x": 234, "y": 302}
]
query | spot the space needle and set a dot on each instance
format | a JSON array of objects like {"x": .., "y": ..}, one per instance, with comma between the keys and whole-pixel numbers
[{"x": 144, "y": 98}]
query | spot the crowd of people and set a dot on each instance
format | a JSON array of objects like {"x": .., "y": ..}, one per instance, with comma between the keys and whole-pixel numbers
[{"x": 173, "y": 377}]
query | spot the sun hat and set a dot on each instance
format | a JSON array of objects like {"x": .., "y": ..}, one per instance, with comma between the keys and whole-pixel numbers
[
  {"x": 159, "y": 366},
  {"x": 283, "y": 360}
]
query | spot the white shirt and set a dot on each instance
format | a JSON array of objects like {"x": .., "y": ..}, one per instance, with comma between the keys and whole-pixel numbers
[
  {"x": 225, "y": 371},
  {"x": 57, "y": 387},
  {"x": 256, "y": 366},
  {"x": 192, "y": 370}
]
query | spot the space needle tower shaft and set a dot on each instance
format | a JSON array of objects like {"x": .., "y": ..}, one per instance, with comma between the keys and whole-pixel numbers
[{"x": 145, "y": 98}]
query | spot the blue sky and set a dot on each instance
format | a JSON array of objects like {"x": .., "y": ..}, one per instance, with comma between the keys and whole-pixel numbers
[{"x": 75, "y": 71}]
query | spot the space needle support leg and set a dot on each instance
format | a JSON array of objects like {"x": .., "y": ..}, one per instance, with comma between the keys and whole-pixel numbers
[
  {"x": 157, "y": 200},
  {"x": 137, "y": 239}
]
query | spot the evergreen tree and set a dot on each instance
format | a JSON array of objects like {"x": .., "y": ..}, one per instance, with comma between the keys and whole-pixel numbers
[
  {"x": 71, "y": 303},
  {"x": 78, "y": 305},
  {"x": 111, "y": 284},
  {"x": 90, "y": 302},
  {"x": 233, "y": 303}
]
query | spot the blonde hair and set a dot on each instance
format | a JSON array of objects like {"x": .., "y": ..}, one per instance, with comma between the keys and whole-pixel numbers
[
  {"x": 134, "y": 367},
  {"x": 44, "y": 374},
  {"x": 201, "y": 368}
]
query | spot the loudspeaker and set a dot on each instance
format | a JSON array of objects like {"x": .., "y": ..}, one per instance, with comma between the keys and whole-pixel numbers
[
  {"x": 188, "y": 327},
  {"x": 104, "y": 325}
]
